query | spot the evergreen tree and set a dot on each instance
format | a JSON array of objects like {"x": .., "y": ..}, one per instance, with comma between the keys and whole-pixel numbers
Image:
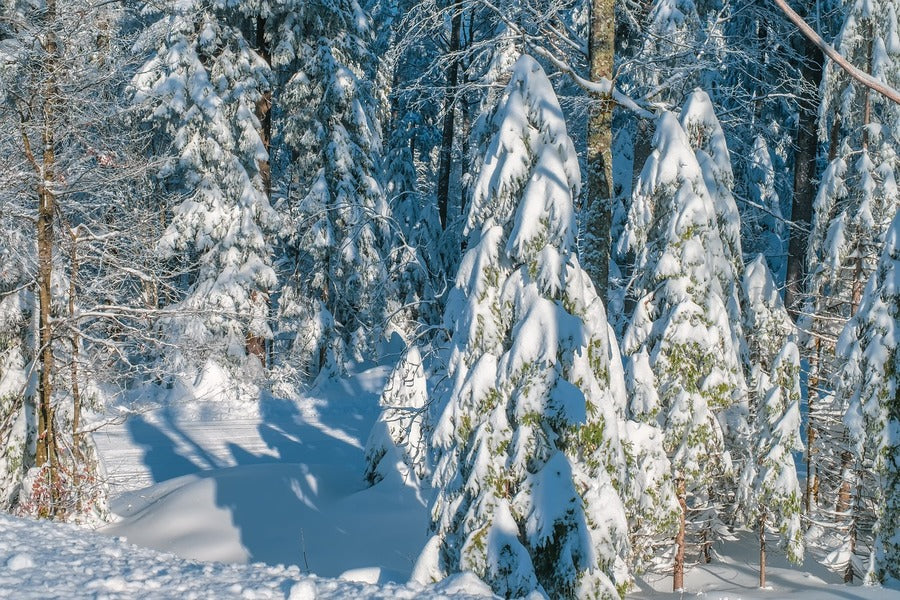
[
  {"x": 336, "y": 255},
  {"x": 856, "y": 199},
  {"x": 770, "y": 490},
  {"x": 530, "y": 459},
  {"x": 765, "y": 231},
  {"x": 866, "y": 384},
  {"x": 199, "y": 89},
  {"x": 686, "y": 369},
  {"x": 398, "y": 439},
  {"x": 18, "y": 416}
]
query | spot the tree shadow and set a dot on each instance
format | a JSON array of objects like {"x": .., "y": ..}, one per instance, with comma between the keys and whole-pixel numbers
[{"x": 161, "y": 456}]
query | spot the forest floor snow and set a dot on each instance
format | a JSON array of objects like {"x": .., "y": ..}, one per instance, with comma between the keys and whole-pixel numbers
[{"x": 283, "y": 485}]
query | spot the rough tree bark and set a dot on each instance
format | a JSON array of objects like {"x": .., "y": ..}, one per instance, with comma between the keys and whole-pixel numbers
[
  {"x": 678, "y": 569},
  {"x": 598, "y": 203},
  {"x": 46, "y": 452}
]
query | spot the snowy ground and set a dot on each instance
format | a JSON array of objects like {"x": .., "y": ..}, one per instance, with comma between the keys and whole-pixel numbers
[
  {"x": 736, "y": 577},
  {"x": 283, "y": 488},
  {"x": 42, "y": 560},
  {"x": 251, "y": 492}
]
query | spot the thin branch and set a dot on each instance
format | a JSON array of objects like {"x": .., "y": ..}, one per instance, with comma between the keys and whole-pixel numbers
[{"x": 860, "y": 76}]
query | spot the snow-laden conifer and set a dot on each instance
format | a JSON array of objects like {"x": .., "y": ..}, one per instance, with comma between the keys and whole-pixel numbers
[
  {"x": 529, "y": 455},
  {"x": 770, "y": 492},
  {"x": 18, "y": 416},
  {"x": 699, "y": 121},
  {"x": 337, "y": 226},
  {"x": 766, "y": 230},
  {"x": 199, "y": 88},
  {"x": 857, "y": 197},
  {"x": 686, "y": 373},
  {"x": 867, "y": 385}
]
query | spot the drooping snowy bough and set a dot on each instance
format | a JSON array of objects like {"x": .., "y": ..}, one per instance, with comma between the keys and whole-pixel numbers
[
  {"x": 198, "y": 90},
  {"x": 529, "y": 455},
  {"x": 397, "y": 444}
]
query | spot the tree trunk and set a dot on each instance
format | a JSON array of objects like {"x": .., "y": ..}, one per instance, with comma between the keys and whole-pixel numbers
[
  {"x": 76, "y": 392},
  {"x": 446, "y": 156},
  {"x": 807, "y": 148},
  {"x": 678, "y": 573},
  {"x": 598, "y": 203},
  {"x": 46, "y": 453},
  {"x": 762, "y": 549},
  {"x": 46, "y": 208},
  {"x": 256, "y": 344}
]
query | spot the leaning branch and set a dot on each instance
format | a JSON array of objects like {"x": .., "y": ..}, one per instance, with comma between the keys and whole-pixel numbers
[{"x": 860, "y": 76}]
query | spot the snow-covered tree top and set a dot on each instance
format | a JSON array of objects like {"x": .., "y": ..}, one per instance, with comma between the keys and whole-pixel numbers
[
  {"x": 759, "y": 286},
  {"x": 528, "y": 121},
  {"x": 698, "y": 118}
]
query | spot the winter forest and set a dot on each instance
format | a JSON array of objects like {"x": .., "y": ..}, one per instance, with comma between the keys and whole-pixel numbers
[{"x": 585, "y": 294}]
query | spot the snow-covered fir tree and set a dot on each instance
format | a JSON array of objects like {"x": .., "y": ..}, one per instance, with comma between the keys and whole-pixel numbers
[
  {"x": 766, "y": 231},
  {"x": 686, "y": 370},
  {"x": 867, "y": 385},
  {"x": 199, "y": 88},
  {"x": 407, "y": 115},
  {"x": 336, "y": 258},
  {"x": 529, "y": 454},
  {"x": 397, "y": 443},
  {"x": 679, "y": 49},
  {"x": 770, "y": 491},
  {"x": 857, "y": 197},
  {"x": 18, "y": 415},
  {"x": 698, "y": 119}
]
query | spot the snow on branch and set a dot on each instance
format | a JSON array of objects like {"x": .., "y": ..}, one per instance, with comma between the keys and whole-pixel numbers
[
  {"x": 604, "y": 87},
  {"x": 860, "y": 76}
]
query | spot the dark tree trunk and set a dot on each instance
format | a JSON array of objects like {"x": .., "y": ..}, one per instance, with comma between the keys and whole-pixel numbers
[
  {"x": 446, "y": 156},
  {"x": 807, "y": 148}
]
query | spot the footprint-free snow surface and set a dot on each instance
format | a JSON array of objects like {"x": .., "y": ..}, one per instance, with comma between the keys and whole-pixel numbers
[
  {"x": 285, "y": 487},
  {"x": 249, "y": 489}
]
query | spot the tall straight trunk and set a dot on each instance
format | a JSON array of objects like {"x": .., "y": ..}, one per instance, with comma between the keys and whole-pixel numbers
[
  {"x": 807, "y": 148},
  {"x": 46, "y": 210},
  {"x": 446, "y": 156},
  {"x": 46, "y": 452},
  {"x": 678, "y": 571},
  {"x": 762, "y": 549},
  {"x": 598, "y": 204},
  {"x": 812, "y": 479}
]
